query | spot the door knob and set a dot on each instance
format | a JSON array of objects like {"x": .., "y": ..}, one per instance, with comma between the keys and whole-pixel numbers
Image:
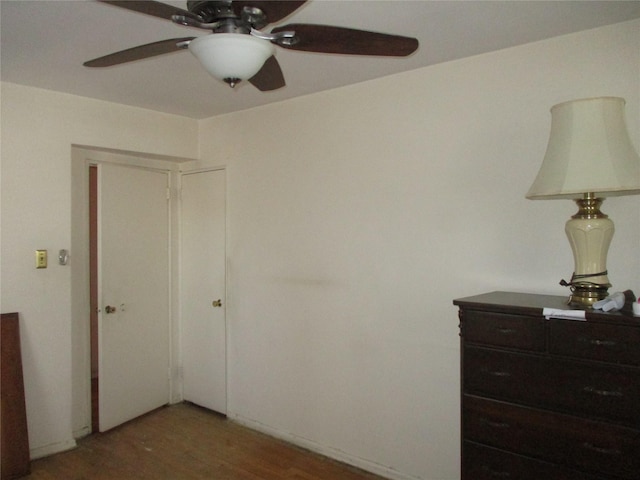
[
  {"x": 109, "y": 309},
  {"x": 217, "y": 303}
]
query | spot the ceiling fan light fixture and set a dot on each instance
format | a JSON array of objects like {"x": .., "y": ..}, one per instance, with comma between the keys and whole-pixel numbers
[{"x": 234, "y": 56}]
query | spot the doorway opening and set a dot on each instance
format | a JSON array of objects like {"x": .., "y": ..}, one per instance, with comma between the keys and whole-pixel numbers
[
  {"x": 93, "y": 294},
  {"x": 130, "y": 292}
]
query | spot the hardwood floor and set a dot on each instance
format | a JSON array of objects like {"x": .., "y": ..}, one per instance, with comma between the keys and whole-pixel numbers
[{"x": 183, "y": 442}]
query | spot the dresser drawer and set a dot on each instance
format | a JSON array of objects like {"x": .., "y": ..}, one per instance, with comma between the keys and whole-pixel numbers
[
  {"x": 484, "y": 463},
  {"x": 601, "y": 391},
  {"x": 595, "y": 341},
  {"x": 503, "y": 330},
  {"x": 563, "y": 439}
]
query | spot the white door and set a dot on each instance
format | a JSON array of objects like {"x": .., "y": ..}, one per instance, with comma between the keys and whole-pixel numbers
[
  {"x": 202, "y": 292},
  {"x": 133, "y": 252}
]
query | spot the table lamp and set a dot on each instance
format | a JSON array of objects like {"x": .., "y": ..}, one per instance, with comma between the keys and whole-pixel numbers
[{"x": 589, "y": 157}]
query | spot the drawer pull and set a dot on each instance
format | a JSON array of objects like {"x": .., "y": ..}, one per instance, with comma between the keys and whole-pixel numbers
[
  {"x": 602, "y": 393},
  {"x": 496, "y": 473},
  {"x": 494, "y": 424},
  {"x": 505, "y": 331},
  {"x": 496, "y": 373},
  {"x": 606, "y": 451},
  {"x": 598, "y": 343}
]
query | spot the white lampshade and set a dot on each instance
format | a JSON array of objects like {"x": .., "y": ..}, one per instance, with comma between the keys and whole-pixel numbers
[
  {"x": 231, "y": 55},
  {"x": 589, "y": 150}
]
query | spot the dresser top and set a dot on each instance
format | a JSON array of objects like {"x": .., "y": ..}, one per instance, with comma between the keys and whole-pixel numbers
[{"x": 532, "y": 304}]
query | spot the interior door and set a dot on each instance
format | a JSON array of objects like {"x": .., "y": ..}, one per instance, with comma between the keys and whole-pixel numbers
[
  {"x": 134, "y": 329},
  {"x": 202, "y": 293}
]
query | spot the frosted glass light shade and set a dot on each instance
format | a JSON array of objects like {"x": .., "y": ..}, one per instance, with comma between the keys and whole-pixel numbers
[
  {"x": 589, "y": 150},
  {"x": 231, "y": 55}
]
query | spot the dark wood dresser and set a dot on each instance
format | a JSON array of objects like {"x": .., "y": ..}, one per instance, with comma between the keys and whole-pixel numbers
[
  {"x": 14, "y": 448},
  {"x": 548, "y": 399}
]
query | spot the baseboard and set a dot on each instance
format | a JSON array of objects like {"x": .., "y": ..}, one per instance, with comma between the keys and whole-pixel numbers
[
  {"x": 52, "y": 448},
  {"x": 324, "y": 450},
  {"x": 82, "y": 432}
]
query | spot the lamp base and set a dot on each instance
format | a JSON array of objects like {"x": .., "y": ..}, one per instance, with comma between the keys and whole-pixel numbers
[
  {"x": 585, "y": 295},
  {"x": 589, "y": 232}
]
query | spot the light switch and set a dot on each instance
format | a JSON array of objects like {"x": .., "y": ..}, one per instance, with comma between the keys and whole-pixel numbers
[{"x": 41, "y": 259}]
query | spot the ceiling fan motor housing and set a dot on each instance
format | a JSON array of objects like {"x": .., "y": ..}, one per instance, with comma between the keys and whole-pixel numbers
[{"x": 211, "y": 11}]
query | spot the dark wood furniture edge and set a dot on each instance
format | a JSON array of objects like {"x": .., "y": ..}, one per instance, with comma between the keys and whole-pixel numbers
[
  {"x": 15, "y": 455},
  {"x": 533, "y": 304}
]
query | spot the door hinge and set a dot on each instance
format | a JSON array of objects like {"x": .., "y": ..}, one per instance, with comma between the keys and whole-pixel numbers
[{"x": 168, "y": 193}]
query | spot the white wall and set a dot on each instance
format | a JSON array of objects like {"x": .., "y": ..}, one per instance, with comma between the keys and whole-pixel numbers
[
  {"x": 38, "y": 130},
  {"x": 357, "y": 215}
]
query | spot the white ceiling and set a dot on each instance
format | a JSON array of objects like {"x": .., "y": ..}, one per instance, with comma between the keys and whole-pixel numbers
[{"x": 44, "y": 43}]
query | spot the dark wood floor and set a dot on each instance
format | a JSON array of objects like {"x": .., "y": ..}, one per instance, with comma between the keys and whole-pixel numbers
[{"x": 185, "y": 442}]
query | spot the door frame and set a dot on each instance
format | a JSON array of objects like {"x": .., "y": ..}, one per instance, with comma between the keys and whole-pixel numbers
[{"x": 81, "y": 158}]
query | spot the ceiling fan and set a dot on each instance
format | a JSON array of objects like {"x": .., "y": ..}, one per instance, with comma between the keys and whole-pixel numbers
[{"x": 237, "y": 49}]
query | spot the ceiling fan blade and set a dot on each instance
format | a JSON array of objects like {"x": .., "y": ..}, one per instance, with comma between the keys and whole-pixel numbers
[
  {"x": 139, "y": 52},
  {"x": 329, "y": 39},
  {"x": 156, "y": 9},
  {"x": 274, "y": 10},
  {"x": 269, "y": 77}
]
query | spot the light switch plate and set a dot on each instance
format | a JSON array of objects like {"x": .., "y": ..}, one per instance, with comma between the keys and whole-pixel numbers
[{"x": 41, "y": 259}]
